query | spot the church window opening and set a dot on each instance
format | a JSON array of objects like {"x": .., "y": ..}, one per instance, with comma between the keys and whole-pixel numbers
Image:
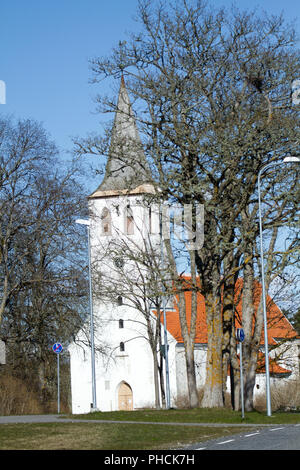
[
  {"x": 122, "y": 347},
  {"x": 120, "y": 300},
  {"x": 106, "y": 222},
  {"x": 150, "y": 220},
  {"x": 129, "y": 222},
  {"x": 119, "y": 262},
  {"x": 121, "y": 323}
]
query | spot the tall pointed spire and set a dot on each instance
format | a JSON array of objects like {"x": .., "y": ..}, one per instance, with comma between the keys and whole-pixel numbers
[{"x": 126, "y": 167}]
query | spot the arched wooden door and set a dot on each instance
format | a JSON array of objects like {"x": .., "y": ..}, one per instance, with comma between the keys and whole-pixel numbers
[{"x": 125, "y": 397}]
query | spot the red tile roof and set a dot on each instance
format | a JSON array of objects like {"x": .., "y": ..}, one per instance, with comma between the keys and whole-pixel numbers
[
  {"x": 278, "y": 325},
  {"x": 274, "y": 368}
]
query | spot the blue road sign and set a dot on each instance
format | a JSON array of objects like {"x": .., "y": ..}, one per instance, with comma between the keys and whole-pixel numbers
[
  {"x": 57, "y": 348},
  {"x": 240, "y": 334}
]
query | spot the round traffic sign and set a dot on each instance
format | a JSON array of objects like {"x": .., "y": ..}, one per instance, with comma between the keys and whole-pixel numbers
[
  {"x": 57, "y": 348},
  {"x": 240, "y": 334}
]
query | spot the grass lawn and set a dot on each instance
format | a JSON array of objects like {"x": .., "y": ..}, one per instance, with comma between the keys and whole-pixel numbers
[
  {"x": 92, "y": 436},
  {"x": 122, "y": 436}
]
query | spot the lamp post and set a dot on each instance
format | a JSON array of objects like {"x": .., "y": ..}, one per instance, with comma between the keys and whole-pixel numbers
[
  {"x": 166, "y": 346},
  {"x": 289, "y": 159},
  {"x": 94, "y": 398}
]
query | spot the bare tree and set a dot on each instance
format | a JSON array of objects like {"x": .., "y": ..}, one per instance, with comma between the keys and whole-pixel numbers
[
  {"x": 43, "y": 288},
  {"x": 213, "y": 92}
]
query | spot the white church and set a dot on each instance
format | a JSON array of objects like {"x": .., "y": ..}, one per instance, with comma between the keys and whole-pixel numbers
[{"x": 121, "y": 376}]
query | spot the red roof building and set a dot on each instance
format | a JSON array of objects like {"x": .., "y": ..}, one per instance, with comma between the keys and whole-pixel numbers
[{"x": 279, "y": 328}]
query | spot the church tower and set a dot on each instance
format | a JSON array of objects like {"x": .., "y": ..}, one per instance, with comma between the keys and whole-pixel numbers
[
  {"x": 120, "y": 208},
  {"x": 120, "y": 216}
]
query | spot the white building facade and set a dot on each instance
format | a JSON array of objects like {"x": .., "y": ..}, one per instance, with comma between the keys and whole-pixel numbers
[{"x": 124, "y": 366}]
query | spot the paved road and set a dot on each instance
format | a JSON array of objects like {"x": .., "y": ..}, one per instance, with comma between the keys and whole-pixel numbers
[
  {"x": 276, "y": 437},
  {"x": 29, "y": 419}
]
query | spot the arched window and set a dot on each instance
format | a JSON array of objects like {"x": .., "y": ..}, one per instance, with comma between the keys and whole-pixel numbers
[
  {"x": 129, "y": 222},
  {"x": 120, "y": 300},
  {"x": 122, "y": 347},
  {"x": 106, "y": 222},
  {"x": 121, "y": 323}
]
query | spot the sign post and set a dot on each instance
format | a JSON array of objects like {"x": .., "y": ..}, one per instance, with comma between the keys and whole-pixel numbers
[
  {"x": 240, "y": 336},
  {"x": 57, "y": 348}
]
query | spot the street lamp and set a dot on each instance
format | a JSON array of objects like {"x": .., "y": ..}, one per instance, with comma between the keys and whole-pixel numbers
[
  {"x": 94, "y": 398},
  {"x": 166, "y": 346},
  {"x": 288, "y": 159}
]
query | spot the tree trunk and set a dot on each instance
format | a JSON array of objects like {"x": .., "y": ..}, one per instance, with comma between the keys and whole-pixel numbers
[
  {"x": 160, "y": 365},
  {"x": 250, "y": 353},
  {"x": 250, "y": 381},
  {"x": 156, "y": 381},
  {"x": 188, "y": 341},
  {"x": 188, "y": 332},
  {"x": 235, "y": 387},
  {"x": 235, "y": 375},
  {"x": 228, "y": 332},
  {"x": 213, "y": 396},
  {"x": 252, "y": 325},
  {"x": 161, "y": 381},
  {"x": 191, "y": 377}
]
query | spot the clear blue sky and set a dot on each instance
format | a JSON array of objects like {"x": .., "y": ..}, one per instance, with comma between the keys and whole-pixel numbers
[{"x": 45, "y": 48}]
